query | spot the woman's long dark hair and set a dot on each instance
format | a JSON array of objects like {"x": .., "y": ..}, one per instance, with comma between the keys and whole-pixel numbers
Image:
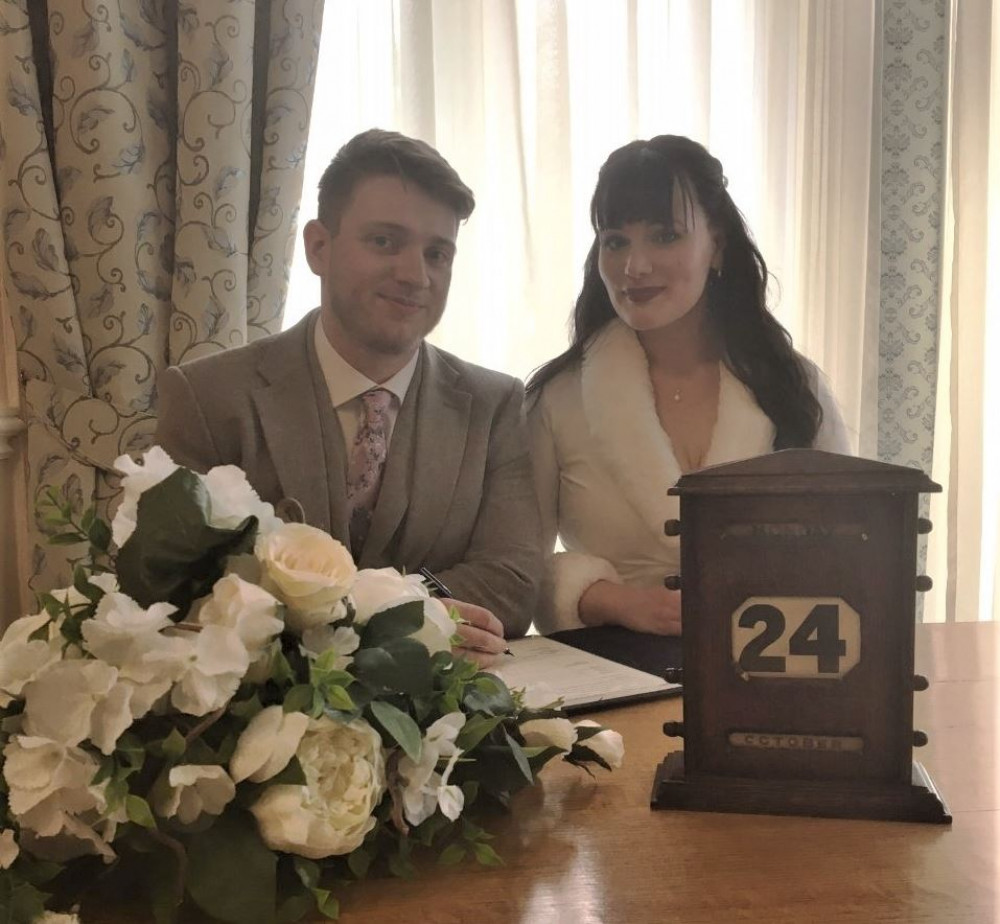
[{"x": 638, "y": 182}]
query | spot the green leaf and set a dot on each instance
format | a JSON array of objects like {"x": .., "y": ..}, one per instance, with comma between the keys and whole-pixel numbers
[
  {"x": 489, "y": 694},
  {"x": 359, "y": 861},
  {"x": 231, "y": 874},
  {"x": 246, "y": 709},
  {"x": 486, "y": 855},
  {"x": 518, "y": 754},
  {"x": 174, "y": 744},
  {"x": 475, "y": 729},
  {"x": 326, "y": 904},
  {"x": 338, "y": 698},
  {"x": 292, "y": 775},
  {"x": 395, "y": 622},
  {"x": 295, "y": 906},
  {"x": 400, "y": 666},
  {"x": 65, "y": 539},
  {"x": 138, "y": 811},
  {"x": 99, "y": 535},
  {"x": 399, "y": 725},
  {"x": 173, "y": 554},
  {"x": 452, "y": 855},
  {"x": 299, "y": 698},
  {"x": 307, "y": 871},
  {"x": 281, "y": 670},
  {"x": 20, "y": 902},
  {"x": 90, "y": 514},
  {"x": 401, "y": 866}
]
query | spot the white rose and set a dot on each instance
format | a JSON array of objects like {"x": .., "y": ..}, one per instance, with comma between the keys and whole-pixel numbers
[
  {"x": 545, "y": 733},
  {"x": 55, "y": 917},
  {"x": 193, "y": 790},
  {"x": 75, "y": 700},
  {"x": 267, "y": 744},
  {"x": 425, "y": 789},
  {"x": 47, "y": 781},
  {"x": 209, "y": 667},
  {"x": 233, "y": 500},
  {"x": 607, "y": 744},
  {"x": 8, "y": 848},
  {"x": 22, "y": 658},
  {"x": 343, "y": 640},
  {"x": 156, "y": 465},
  {"x": 331, "y": 814},
  {"x": 250, "y": 610},
  {"x": 310, "y": 571},
  {"x": 378, "y": 589}
]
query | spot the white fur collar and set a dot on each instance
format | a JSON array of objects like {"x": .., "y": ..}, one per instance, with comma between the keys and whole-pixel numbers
[{"x": 620, "y": 410}]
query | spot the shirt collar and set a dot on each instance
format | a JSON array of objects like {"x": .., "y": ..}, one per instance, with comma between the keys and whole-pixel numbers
[{"x": 345, "y": 383}]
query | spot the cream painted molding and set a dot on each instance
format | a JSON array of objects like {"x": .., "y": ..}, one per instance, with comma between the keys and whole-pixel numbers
[{"x": 10, "y": 425}]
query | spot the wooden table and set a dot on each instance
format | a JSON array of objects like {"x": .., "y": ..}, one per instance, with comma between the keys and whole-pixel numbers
[{"x": 579, "y": 850}]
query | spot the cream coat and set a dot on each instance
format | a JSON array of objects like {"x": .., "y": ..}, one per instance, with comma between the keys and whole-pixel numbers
[{"x": 603, "y": 464}]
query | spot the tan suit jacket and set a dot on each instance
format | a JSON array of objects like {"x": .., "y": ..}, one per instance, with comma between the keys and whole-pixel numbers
[{"x": 457, "y": 494}]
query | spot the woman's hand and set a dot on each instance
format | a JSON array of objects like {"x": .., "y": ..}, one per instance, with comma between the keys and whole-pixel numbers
[
  {"x": 643, "y": 609},
  {"x": 481, "y": 631}
]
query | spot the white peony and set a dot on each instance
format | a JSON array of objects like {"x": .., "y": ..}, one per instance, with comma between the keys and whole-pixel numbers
[
  {"x": 23, "y": 658},
  {"x": 545, "y": 733},
  {"x": 193, "y": 790},
  {"x": 309, "y": 570},
  {"x": 378, "y": 589},
  {"x": 424, "y": 788},
  {"x": 72, "y": 701},
  {"x": 607, "y": 744},
  {"x": 233, "y": 500},
  {"x": 156, "y": 465},
  {"x": 343, "y": 641},
  {"x": 49, "y": 782},
  {"x": 345, "y": 780},
  {"x": 267, "y": 744},
  {"x": 8, "y": 848},
  {"x": 210, "y": 665},
  {"x": 249, "y": 610}
]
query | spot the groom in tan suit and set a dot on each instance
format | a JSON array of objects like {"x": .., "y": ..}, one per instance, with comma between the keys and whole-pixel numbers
[{"x": 406, "y": 452}]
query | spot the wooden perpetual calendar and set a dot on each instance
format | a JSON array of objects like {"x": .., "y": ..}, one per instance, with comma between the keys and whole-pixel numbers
[{"x": 799, "y": 588}]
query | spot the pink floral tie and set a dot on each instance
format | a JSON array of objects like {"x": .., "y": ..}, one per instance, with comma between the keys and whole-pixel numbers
[{"x": 367, "y": 462}]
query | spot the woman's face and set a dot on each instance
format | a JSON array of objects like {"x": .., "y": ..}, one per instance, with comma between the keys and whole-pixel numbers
[{"x": 656, "y": 273}]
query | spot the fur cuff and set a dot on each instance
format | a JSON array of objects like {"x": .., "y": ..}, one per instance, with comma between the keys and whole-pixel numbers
[{"x": 567, "y": 576}]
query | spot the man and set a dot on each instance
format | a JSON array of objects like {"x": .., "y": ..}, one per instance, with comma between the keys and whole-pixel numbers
[{"x": 406, "y": 453}]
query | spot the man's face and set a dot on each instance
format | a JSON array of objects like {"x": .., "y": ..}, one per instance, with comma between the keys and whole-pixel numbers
[{"x": 385, "y": 272}]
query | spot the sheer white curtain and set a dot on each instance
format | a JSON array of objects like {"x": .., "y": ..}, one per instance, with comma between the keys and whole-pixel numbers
[
  {"x": 527, "y": 98},
  {"x": 967, "y": 436}
]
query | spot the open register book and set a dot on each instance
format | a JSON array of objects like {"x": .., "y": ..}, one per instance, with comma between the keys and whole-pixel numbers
[{"x": 550, "y": 670}]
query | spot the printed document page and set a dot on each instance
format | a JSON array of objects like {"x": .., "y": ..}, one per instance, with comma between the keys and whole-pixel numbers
[{"x": 549, "y": 670}]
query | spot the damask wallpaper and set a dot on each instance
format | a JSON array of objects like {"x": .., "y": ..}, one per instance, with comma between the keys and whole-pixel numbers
[{"x": 913, "y": 99}]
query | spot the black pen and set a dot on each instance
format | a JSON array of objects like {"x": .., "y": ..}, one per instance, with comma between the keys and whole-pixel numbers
[{"x": 439, "y": 588}]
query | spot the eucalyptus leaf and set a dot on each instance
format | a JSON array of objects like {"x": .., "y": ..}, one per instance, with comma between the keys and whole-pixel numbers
[
  {"x": 399, "y": 725},
  {"x": 452, "y": 855},
  {"x": 138, "y": 811},
  {"x": 475, "y": 729}
]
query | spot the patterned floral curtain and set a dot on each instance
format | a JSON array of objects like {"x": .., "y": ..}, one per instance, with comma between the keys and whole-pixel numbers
[{"x": 150, "y": 169}]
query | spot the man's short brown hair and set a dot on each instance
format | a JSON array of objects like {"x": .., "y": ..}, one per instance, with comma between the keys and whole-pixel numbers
[{"x": 380, "y": 153}]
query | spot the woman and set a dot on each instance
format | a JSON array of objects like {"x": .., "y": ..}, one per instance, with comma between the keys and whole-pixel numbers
[{"x": 675, "y": 364}]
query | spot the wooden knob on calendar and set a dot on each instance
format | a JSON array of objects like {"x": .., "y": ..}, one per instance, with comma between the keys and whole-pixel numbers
[
  {"x": 672, "y": 528},
  {"x": 673, "y": 729},
  {"x": 674, "y": 675},
  {"x": 920, "y": 683},
  {"x": 919, "y": 738},
  {"x": 672, "y": 582},
  {"x": 924, "y": 526},
  {"x": 924, "y": 583}
]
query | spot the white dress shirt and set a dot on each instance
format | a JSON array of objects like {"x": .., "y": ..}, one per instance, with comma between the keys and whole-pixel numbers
[{"x": 346, "y": 386}]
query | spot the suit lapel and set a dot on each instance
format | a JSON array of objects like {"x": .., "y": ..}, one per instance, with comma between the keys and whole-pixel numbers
[
  {"x": 424, "y": 464},
  {"x": 290, "y": 420}
]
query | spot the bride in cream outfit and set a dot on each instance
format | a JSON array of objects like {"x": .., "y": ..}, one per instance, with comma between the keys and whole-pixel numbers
[{"x": 676, "y": 363}]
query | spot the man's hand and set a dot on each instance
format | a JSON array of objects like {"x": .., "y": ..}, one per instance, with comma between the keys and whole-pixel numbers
[
  {"x": 481, "y": 631},
  {"x": 644, "y": 609}
]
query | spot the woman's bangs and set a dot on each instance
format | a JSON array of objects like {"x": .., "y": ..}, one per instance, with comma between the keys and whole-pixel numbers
[{"x": 636, "y": 189}]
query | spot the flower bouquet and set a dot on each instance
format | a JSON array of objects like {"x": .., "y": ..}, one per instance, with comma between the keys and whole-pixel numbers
[{"x": 223, "y": 711}]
